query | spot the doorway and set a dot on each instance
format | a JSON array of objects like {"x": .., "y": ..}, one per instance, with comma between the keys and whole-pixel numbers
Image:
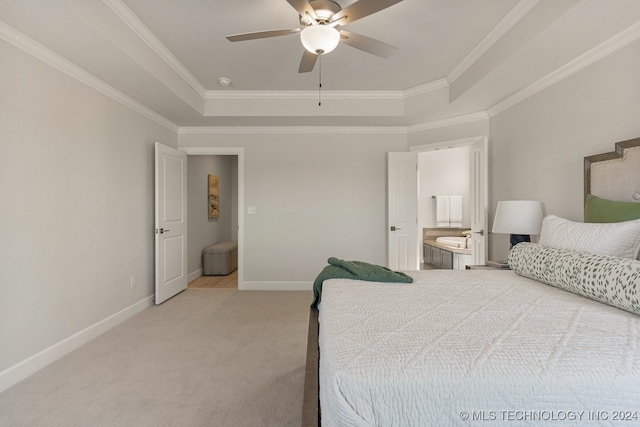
[
  {"x": 460, "y": 167},
  {"x": 238, "y": 219}
]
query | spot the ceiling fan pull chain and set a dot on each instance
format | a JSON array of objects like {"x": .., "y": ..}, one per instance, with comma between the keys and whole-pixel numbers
[{"x": 320, "y": 81}]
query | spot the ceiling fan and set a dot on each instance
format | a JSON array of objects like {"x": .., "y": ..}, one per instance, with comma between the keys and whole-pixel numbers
[{"x": 321, "y": 29}]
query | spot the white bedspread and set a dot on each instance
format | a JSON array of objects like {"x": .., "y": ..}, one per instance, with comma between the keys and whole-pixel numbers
[{"x": 474, "y": 347}]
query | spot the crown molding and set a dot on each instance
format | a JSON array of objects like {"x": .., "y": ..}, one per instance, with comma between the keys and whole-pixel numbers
[
  {"x": 329, "y": 94},
  {"x": 512, "y": 18},
  {"x": 593, "y": 55},
  {"x": 205, "y": 130},
  {"x": 303, "y": 95},
  {"x": 35, "y": 49},
  {"x": 451, "y": 121},
  {"x": 130, "y": 19},
  {"x": 426, "y": 88}
]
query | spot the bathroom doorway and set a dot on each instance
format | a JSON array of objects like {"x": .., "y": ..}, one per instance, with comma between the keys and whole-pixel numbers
[{"x": 457, "y": 167}]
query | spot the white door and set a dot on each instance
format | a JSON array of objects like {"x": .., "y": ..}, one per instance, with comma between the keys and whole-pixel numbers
[
  {"x": 402, "y": 226},
  {"x": 170, "y": 222},
  {"x": 478, "y": 165}
]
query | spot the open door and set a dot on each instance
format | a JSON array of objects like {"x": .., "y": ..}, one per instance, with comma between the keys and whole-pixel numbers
[
  {"x": 170, "y": 222},
  {"x": 402, "y": 199},
  {"x": 479, "y": 197}
]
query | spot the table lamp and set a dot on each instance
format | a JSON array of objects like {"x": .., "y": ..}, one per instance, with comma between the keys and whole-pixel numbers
[{"x": 520, "y": 218}]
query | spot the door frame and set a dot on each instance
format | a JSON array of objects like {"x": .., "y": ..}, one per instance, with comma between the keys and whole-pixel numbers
[
  {"x": 229, "y": 151},
  {"x": 456, "y": 143}
]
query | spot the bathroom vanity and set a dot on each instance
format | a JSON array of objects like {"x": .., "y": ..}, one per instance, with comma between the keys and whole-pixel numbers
[{"x": 440, "y": 255}]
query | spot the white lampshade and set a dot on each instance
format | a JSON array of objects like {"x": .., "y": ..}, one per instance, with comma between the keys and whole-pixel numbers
[
  {"x": 320, "y": 39},
  {"x": 518, "y": 217}
]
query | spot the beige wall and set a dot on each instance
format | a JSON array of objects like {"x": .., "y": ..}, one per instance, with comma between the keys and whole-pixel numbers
[
  {"x": 537, "y": 147},
  {"x": 316, "y": 195},
  {"x": 76, "y": 203}
]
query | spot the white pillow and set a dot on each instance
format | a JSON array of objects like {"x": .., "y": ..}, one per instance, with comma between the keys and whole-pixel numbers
[{"x": 620, "y": 239}]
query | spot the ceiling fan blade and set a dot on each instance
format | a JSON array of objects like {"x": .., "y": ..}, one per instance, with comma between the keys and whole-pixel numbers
[
  {"x": 367, "y": 44},
  {"x": 262, "y": 35},
  {"x": 362, "y": 8},
  {"x": 307, "y": 62},
  {"x": 304, "y": 8}
]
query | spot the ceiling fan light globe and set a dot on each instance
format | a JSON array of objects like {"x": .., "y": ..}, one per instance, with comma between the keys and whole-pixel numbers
[{"x": 320, "y": 39}]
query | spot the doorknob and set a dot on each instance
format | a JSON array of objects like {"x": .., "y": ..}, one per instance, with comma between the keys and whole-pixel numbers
[
  {"x": 161, "y": 231},
  {"x": 481, "y": 232},
  {"x": 393, "y": 228}
]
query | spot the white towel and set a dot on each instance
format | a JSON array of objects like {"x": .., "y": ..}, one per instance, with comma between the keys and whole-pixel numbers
[
  {"x": 442, "y": 211},
  {"x": 455, "y": 211}
]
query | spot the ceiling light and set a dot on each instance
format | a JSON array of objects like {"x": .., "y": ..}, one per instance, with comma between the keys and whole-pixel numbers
[
  {"x": 320, "y": 39},
  {"x": 224, "y": 81}
]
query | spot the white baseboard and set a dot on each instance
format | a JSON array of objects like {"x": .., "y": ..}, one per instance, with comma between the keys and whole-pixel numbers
[
  {"x": 276, "y": 286},
  {"x": 194, "y": 275},
  {"x": 29, "y": 366}
]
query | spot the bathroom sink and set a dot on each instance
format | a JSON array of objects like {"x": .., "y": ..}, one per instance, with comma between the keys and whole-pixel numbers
[{"x": 456, "y": 242}]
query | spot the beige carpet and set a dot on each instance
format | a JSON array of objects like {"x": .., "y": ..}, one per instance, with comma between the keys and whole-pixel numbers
[{"x": 207, "y": 357}]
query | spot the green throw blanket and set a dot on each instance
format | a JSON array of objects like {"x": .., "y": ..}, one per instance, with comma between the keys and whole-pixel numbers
[{"x": 358, "y": 270}]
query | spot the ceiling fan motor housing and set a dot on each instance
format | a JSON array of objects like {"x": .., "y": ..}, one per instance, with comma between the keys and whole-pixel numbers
[{"x": 324, "y": 9}]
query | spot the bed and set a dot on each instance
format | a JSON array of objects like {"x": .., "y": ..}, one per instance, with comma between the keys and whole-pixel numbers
[{"x": 554, "y": 340}]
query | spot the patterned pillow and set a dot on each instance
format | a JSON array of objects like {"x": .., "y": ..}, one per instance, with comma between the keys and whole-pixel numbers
[
  {"x": 621, "y": 239},
  {"x": 613, "y": 281}
]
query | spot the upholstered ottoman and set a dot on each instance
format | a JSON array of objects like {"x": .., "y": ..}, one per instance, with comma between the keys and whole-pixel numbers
[{"x": 220, "y": 259}]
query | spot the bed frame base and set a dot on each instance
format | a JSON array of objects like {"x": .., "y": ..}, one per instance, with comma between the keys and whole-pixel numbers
[{"x": 311, "y": 399}]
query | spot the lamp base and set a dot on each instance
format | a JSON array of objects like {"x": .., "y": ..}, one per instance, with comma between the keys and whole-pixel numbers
[{"x": 519, "y": 238}]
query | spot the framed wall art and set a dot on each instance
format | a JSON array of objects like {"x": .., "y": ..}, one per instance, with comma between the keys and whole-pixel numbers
[{"x": 214, "y": 197}]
